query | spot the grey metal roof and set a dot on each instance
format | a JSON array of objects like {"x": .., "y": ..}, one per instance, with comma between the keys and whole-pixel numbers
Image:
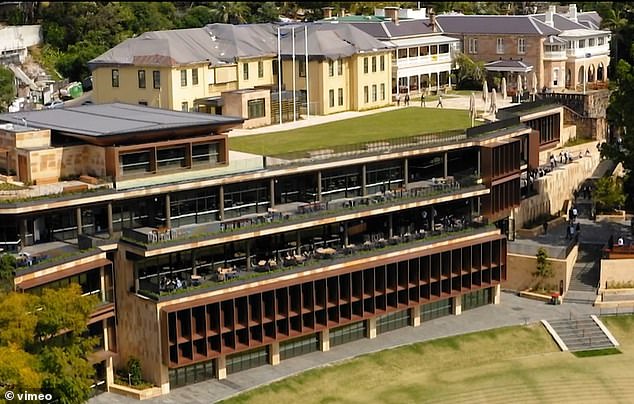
[
  {"x": 390, "y": 30},
  {"x": 560, "y": 22},
  {"x": 99, "y": 120},
  {"x": 505, "y": 65},
  {"x": 330, "y": 41},
  {"x": 225, "y": 43},
  {"x": 494, "y": 24},
  {"x": 591, "y": 19}
]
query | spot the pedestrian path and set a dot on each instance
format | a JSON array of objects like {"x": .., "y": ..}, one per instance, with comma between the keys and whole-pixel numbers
[
  {"x": 512, "y": 310},
  {"x": 585, "y": 275}
]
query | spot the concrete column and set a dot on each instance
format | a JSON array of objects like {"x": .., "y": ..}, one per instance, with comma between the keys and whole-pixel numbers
[
  {"x": 22, "y": 230},
  {"x": 414, "y": 316},
  {"x": 109, "y": 373},
  {"x": 457, "y": 305},
  {"x": 445, "y": 165},
  {"x": 168, "y": 211},
  {"x": 272, "y": 192},
  {"x": 298, "y": 243},
  {"x": 496, "y": 294},
  {"x": 370, "y": 327},
  {"x": 449, "y": 78},
  {"x": 110, "y": 224},
  {"x": 102, "y": 281},
  {"x": 324, "y": 340},
  {"x": 248, "y": 253},
  {"x": 274, "y": 353},
  {"x": 221, "y": 367},
  {"x": 390, "y": 220},
  {"x": 78, "y": 220},
  {"x": 479, "y": 162},
  {"x": 364, "y": 182},
  {"x": 319, "y": 186},
  {"x": 406, "y": 172},
  {"x": 345, "y": 233},
  {"x": 221, "y": 202}
]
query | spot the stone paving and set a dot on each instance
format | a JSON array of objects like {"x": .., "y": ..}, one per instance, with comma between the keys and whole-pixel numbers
[{"x": 512, "y": 310}]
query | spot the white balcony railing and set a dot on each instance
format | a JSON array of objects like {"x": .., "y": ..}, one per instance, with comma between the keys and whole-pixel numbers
[
  {"x": 555, "y": 55},
  {"x": 423, "y": 60},
  {"x": 579, "y": 53}
]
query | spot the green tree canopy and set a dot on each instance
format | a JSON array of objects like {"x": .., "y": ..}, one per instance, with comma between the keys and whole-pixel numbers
[
  {"x": 45, "y": 338},
  {"x": 608, "y": 194},
  {"x": 7, "y": 88}
]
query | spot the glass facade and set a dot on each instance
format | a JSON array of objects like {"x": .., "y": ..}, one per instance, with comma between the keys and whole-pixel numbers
[
  {"x": 247, "y": 198},
  {"x": 476, "y": 299},
  {"x": 392, "y": 321},
  {"x": 191, "y": 374},
  {"x": 299, "y": 346},
  {"x": 340, "y": 183},
  {"x": 381, "y": 177},
  {"x": 439, "y": 308},
  {"x": 347, "y": 333},
  {"x": 247, "y": 360}
]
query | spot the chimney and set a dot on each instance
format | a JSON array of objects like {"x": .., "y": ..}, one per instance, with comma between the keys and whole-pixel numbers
[
  {"x": 342, "y": 12},
  {"x": 327, "y": 11},
  {"x": 549, "y": 15},
  {"x": 392, "y": 14},
  {"x": 432, "y": 20},
  {"x": 572, "y": 12}
]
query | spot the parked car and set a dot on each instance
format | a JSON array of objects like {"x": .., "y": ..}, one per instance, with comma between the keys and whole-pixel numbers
[{"x": 55, "y": 104}]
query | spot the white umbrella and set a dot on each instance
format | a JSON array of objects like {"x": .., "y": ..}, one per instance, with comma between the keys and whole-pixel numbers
[
  {"x": 503, "y": 88},
  {"x": 534, "y": 83},
  {"x": 494, "y": 102},
  {"x": 485, "y": 91},
  {"x": 472, "y": 108},
  {"x": 519, "y": 85}
]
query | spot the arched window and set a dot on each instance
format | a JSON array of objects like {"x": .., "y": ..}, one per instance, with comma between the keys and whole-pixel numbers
[
  {"x": 580, "y": 76},
  {"x": 600, "y": 72},
  {"x": 569, "y": 78}
]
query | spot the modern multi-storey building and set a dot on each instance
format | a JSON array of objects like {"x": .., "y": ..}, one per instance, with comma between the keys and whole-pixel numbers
[
  {"x": 558, "y": 48},
  {"x": 209, "y": 261},
  {"x": 232, "y": 70}
]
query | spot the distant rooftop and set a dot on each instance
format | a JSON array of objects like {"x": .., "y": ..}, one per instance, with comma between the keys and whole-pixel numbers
[{"x": 105, "y": 120}]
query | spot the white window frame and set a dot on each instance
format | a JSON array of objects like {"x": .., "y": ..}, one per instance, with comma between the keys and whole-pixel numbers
[
  {"x": 499, "y": 46},
  {"x": 473, "y": 45},
  {"x": 521, "y": 45}
]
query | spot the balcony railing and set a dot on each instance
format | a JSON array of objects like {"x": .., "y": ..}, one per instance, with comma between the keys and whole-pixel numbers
[
  {"x": 555, "y": 55},
  {"x": 320, "y": 258},
  {"x": 294, "y": 213}
]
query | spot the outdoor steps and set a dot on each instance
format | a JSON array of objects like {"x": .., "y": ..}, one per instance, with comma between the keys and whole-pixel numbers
[
  {"x": 580, "y": 297},
  {"x": 581, "y": 334}
]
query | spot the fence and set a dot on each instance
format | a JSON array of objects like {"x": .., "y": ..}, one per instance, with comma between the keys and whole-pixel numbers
[{"x": 618, "y": 310}]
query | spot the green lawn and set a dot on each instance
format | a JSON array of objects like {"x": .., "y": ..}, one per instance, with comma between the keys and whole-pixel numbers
[
  {"x": 370, "y": 128},
  {"x": 514, "y": 364}
]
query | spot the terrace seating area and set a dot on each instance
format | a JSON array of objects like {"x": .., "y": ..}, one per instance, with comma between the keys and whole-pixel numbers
[{"x": 315, "y": 251}]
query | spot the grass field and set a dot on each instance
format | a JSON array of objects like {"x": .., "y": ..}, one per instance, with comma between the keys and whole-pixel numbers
[
  {"x": 380, "y": 126},
  {"x": 508, "y": 365}
]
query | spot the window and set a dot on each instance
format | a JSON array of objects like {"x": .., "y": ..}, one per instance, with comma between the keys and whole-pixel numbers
[
  {"x": 115, "y": 77},
  {"x": 365, "y": 65},
  {"x": 245, "y": 71},
  {"x": 591, "y": 42},
  {"x": 143, "y": 103},
  {"x": 601, "y": 41},
  {"x": 156, "y": 78},
  {"x": 141, "y": 76},
  {"x": 331, "y": 98},
  {"x": 473, "y": 45},
  {"x": 171, "y": 158},
  {"x": 424, "y": 50},
  {"x": 433, "y": 49},
  {"x": 499, "y": 45},
  {"x": 302, "y": 68},
  {"x": 274, "y": 67},
  {"x": 402, "y": 53},
  {"x": 582, "y": 43},
  {"x": 382, "y": 63},
  {"x": 382, "y": 91},
  {"x": 183, "y": 78},
  {"x": 340, "y": 97},
  {"x": 373, "y": 92},
  {"x": 373, "y": 64},
  {"x": 444, "y": 48},
  {"x": 256, "y": 108},
  {"x": 366, "y": 95},
  {"x": 260, "y": 69},
  {"x": 521, "y": 45},
  {"x": 184, "y": 106},
  {"x": 331, "y": 68},
  {"x": 555, "y": 77},
  {"x": 339, "y": 67},
  {"x": 195, "y": 77},
  {"x": 413, "y": 52}
]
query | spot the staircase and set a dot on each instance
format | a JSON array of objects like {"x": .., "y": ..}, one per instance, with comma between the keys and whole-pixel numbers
[
  {"x": 580, "y": 334},
  {"x": 584, "y": 279}
]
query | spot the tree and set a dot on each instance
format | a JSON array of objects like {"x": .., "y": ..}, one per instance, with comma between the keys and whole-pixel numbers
[
  {"x": 543, "y": 269},
  {"x": 196, "y": 17},
  {"x": 7, "y": 272},
  {"x": 232, "y": 12},
  {"x": 45, "y": 337},
  {"x": 7, "y": 88},
  {"x": 608, "y": 194},
  {"x": 615, "y": 22},
  {"x": 470, "y": 73}
]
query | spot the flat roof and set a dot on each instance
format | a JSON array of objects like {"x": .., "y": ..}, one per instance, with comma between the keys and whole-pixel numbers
[{"x": 100, "y": 120}]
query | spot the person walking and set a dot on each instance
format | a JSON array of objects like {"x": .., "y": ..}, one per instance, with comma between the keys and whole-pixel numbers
[
  {"x": 398, "y": 100},
  {"x": 439, "y": 101},
  {"x": 407, "y": 100},
  {"x": 422, "y": 99}
]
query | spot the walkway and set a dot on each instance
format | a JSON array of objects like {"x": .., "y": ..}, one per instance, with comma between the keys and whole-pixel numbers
[{"x": 512, "y": 310}]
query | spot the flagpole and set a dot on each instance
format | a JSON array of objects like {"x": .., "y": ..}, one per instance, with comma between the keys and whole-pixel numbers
[
  {"x": 279, "y": 73},
  {"x": 294, "y": 102},
  {"x": 307, "y": 86}
]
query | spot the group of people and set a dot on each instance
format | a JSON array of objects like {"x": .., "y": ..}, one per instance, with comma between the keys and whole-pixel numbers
[
  {"x": 565, "y": 157},
  {"x": 422, "y": 100},
  {"x": 573, "y": 226},
  {"x": 585, "y": 192},
  {"x": 171, "y": 283}
]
